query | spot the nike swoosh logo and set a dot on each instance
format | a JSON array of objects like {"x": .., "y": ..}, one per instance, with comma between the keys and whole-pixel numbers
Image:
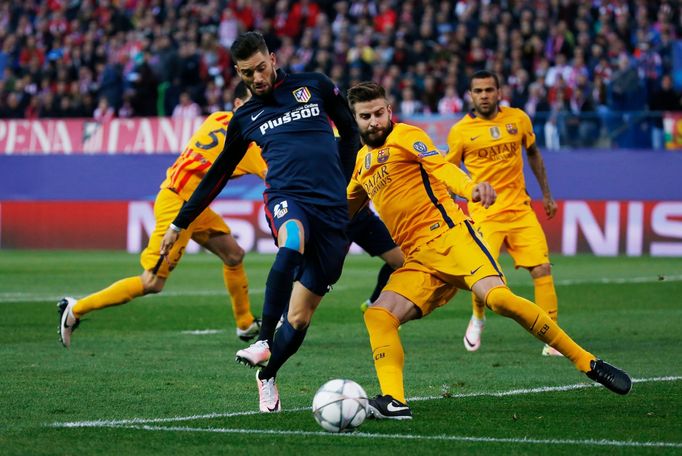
[
  {"x": 474, "y": 137},
  {"x": 392, "y": 408},
  {"x": 473, "y": 271},
  {"x": 257, "y": 115},
  {"x": 274, "y": 408}
]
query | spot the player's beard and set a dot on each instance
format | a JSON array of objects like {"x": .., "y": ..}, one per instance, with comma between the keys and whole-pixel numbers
[
  {"x": 266, "y": 89},
  {"x": 486, "y": 111},
  {"x": 377, "y": 138}
]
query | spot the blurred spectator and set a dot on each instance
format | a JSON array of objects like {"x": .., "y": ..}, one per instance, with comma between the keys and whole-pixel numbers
[
  {"x": 665, "y": 98},
  {"x": 451, "y": 103},
  {"x": 160, "y": 48},
  {"x": 104, "y": 113},
  {"x": 186, "y": 109}
]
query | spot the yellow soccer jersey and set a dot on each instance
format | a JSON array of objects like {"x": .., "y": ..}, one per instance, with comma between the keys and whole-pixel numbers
[
  {"x": 492, "y": 151},
  {"x": 201, "y": 151},
  {"x": 409, "y": 181}
]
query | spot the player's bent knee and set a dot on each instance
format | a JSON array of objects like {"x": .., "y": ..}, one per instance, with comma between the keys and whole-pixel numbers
[
  {"x": 152, "y": 284},
  {"x": 235, "y": 257},
  {"x": 541, "y": 270}
]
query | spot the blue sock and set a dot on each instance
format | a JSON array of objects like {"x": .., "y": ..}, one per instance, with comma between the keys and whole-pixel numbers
[
  {"x": 287, "y": 343},
  {"x": 278, "y": 290}
]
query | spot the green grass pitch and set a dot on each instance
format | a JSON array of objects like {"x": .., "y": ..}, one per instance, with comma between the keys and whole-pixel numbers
[{"x": 137, "y": 380}]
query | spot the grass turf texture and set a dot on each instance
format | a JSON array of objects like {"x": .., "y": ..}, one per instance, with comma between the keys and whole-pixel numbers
[{"x": 136, "y": 362}]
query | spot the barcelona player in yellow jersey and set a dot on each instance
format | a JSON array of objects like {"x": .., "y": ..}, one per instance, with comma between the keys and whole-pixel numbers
[
  {"x": 490, "y": 142},
  {"x": 410, "y": 182},
  {"x": 209, "y": 230}
]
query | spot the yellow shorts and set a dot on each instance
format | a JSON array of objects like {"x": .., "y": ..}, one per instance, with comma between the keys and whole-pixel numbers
[
  {"x": 522, "y": 235},
  {"x": 166, "y": 207},
  {"x": 431, "y": 275}
]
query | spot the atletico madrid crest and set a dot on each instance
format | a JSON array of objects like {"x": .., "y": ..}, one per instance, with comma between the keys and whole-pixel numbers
[{"x": 302, "y": 94}]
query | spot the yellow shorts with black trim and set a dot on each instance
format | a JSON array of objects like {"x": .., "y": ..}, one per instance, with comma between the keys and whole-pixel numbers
[
  {"x": 166, "y": 207},
  {"x": 521, "y": 233},
  {"x": 431, "y": 275}
]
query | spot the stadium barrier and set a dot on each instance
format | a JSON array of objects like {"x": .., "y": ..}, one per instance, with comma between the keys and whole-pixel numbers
[{"x": 58, "y": 197}]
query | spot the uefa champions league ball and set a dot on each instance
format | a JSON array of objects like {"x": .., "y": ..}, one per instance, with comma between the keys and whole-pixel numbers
[{"x": 340, "y": 406}]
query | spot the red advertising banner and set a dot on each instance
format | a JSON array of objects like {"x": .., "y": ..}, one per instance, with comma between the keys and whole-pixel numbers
[
  {"x": 85, "y": 136},
  {"x": 604, "y": 228}
]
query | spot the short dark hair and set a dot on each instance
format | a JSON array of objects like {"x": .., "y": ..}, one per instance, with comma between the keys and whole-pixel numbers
[
  {"x": 365, "y": 91},
  {"x": 241, "y": 91},
  {"x": 248, "y": 44},
  {"x": 484, "y": 74}
]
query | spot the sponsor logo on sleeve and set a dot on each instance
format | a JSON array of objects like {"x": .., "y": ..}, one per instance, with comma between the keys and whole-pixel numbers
[
  {"x": 420, "y": 147},
  {"x": 430, "y": 153}
]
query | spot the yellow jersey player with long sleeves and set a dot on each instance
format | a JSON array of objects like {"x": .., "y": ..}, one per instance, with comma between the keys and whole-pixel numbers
[
  {"x": 209, "y": 230},
  {"x": 409, "y": 181},
  {"x": 490, "y": 141}
]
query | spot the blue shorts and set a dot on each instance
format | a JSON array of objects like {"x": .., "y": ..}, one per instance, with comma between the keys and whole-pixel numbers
[
  {"x": 326, "y": 243},
  {"x": 369, "y": 232}
]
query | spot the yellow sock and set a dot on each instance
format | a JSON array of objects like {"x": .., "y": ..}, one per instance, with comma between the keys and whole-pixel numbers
[
  {"x": 237, "y": 285},
  {"x": 387, "y": 351},
  {"x": 477, "y": 307},
  {"x": 545, "y": 296},
  {"x": 117, "y": 293},
  {"x": 536, "y": 321}
]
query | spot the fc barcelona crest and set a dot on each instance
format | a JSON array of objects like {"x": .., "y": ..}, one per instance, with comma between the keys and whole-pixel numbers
[
  {"x": 382, "y": 155},
  {"x": 495, "y": 132},
  {"x": 302, "y": 94},
  {"x": 512, "y": 129}
]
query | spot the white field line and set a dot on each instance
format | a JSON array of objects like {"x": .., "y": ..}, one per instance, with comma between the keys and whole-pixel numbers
[
  {"x": 393, "y": 437},
  {"x": 20, "y": 296},
  {"x": 515, "y": 392}
]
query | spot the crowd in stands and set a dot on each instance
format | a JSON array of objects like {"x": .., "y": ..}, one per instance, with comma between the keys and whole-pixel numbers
[{"x": 106, "y": 58}]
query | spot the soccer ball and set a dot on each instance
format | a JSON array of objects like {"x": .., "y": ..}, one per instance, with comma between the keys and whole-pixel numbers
[{"x": 340, "y": 405}]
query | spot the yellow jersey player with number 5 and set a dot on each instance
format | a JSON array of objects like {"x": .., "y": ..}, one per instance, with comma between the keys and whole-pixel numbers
[
  {"x": 209, "y": 230},
  {"x": 490, "y": 141}
]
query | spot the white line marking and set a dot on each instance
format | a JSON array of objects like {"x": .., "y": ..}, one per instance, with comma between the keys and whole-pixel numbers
[
  {"x": 515, "y": 392},
  {"x": 543, "y": 389},
  {"x": 20, "y": 296},
  {"x": 621, "y": 280},
  {"x": 456, "y": 438},
  {"x": 202, "y": 332}
]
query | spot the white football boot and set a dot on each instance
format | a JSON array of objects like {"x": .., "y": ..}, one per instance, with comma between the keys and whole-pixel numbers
[
  {"x": 256, "y": 354},
  {"x": 268, "y": 395},
  {"x": 472, "y": 336}
]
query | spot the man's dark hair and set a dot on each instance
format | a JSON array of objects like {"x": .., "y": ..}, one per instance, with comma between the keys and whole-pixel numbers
[
  {"x": 241, "y": 91},
  {"x": 248, "y": 44},
  {"x": 365, "y": 91},
  {"x": 484, "y": 74}
]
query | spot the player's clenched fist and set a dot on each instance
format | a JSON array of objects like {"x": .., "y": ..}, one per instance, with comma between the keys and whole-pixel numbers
[{"x": 484, "y": 193}]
